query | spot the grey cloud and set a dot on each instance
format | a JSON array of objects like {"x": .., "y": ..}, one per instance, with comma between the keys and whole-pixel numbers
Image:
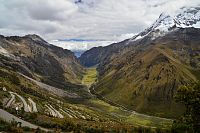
[
  {"x": 45, "y": 11},
  {"x": 98, "y": 19}
]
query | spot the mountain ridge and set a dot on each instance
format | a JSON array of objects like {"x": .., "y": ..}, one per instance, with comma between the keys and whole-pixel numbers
[
  {"x": 36, "y": 58},
  {"x": 144, "y": 73}
]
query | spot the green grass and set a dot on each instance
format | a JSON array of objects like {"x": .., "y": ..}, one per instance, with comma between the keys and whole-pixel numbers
[
  {"x": 135, "y": 119},
  {"x": 118, "y": 113},
  {"x": 196, "y": 73},
  {"x": 90, "y": 76},
  {"x": 151, "y": 121},
  {"x": 102, "y": 113},
  {"x": 106, "y": 107}
]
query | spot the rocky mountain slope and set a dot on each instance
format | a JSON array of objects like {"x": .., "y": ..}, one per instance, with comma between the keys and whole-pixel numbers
[
  {"x": 35, "y": 104},
  {"x": 143, "y": 73},
  {"x": 96, "y": 55},
  {"x": 36, "y": 58}
]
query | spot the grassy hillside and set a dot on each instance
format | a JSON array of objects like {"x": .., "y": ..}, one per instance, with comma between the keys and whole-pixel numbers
[
  {"x": 147, "y": 85},
  {"x": 119, "y": 113},
  {"x": 144, "y": 75},
  {"x": 36, "y": 58},
  {"x": 94, "y": 114}
]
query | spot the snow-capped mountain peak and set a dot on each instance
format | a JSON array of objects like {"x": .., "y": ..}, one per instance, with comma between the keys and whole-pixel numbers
[
  {"x": 188, "y": 17},
  {"x": 163, "y": 23},
  {"x": 183, "y": 18}
]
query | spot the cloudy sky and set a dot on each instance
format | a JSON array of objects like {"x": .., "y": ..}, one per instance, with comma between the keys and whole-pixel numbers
[{"x": 109, "y": 20}]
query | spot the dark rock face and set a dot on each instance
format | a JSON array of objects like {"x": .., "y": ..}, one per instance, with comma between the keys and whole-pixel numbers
[
  {"x": 144, "y": 74},
  {"x": 34, "y": 57},
  {"x": 88, "y": 59},
  {"x": 96, "y": 55}
]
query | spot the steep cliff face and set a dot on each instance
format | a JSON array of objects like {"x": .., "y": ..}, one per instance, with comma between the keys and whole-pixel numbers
[
  {"x": 100, "y": 54},
  {"x": 34, "y": 57}
]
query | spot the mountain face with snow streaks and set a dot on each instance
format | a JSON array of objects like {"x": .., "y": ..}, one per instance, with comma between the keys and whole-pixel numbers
[
  {"x": 144, "y": 72},
  {"x": 184, "y": 18}
]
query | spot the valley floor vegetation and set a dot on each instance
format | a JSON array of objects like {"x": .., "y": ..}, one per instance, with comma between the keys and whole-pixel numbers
[
  {"x": 112, "y": 119},
  {"x": 189, "y": 122}
]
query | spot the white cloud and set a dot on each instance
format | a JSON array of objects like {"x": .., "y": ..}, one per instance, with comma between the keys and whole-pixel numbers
[
  {"x": 93, "y": 19},
  {"x": 83, "y": 45},
  {"x": 80, "y": 45}
]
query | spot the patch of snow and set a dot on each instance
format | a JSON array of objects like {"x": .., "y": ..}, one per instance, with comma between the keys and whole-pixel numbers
[
  {"x": 139, "y": 37},
  {"x": 197, "y": 25},
  {"x": 184, "y": 18},
  {"x": 188, "y": 17},
  {"x": 163, "y": 23},
  {"x": 158, "y": 34}
]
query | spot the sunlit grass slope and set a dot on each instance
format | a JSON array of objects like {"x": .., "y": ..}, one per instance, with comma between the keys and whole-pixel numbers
[{"x": 90, "y": 76}]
